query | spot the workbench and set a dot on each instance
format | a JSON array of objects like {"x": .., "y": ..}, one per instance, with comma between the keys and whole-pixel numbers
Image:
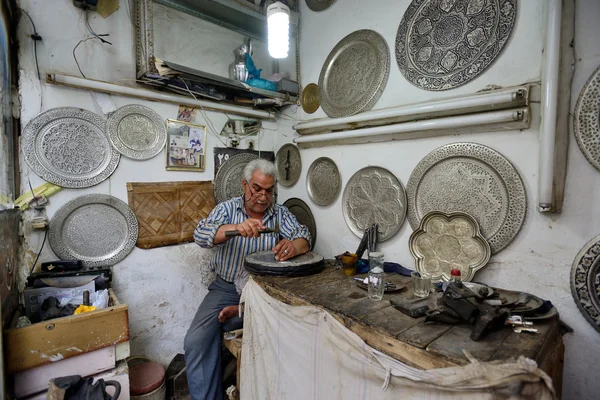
[{"x": 412, "y": 340}]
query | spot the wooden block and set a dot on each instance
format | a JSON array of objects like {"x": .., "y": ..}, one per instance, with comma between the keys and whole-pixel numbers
[{"x": 36, "y": 380}]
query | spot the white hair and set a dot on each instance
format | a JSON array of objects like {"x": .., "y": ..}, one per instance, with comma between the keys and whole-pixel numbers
[{"x": 263, "y": 166}]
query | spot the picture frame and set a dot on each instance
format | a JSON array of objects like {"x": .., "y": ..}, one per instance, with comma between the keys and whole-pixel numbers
[{"x": 186, "y": 146}]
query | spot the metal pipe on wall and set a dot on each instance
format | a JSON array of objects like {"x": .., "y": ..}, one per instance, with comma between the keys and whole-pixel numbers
[{"x": 550, "y": 82}]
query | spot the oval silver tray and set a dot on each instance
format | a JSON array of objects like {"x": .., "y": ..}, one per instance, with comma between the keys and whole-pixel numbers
[{"x": 323, "y": 181}]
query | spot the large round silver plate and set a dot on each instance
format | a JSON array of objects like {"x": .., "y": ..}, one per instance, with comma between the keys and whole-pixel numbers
[
  {"x": 586, "y": 120},
  {"x": 228, "y": 182},
  {"x": 473, "y": 179},
  {"x": 304, "y": 216},
  {"x": 97, "y": 229},
  {"x": 323, "y": 181},
  {"x": 267, "y": 259},
  {"x": 289, "y": 164},
  {"x": 354, "y": 74},
  {"x": 585, "y": 274},
  {"x": 444, "y": 44},
  {"x": 374, "y": 195},
  {"x": 68, "y": 147},
  {"x": 319, "y": 5},
  {"x": 136, "y": 131}
]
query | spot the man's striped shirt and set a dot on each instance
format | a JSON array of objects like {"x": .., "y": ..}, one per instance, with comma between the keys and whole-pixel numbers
[{"x": 228, "y": 259}]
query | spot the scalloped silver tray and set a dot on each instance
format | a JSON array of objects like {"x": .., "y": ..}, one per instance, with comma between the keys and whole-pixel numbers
[
  {"x": 323, "y": 181},
  {"x": 449, "y": 240},
  {"x": 374, "y": 195},
  {"x": 584, "y": 281},
  {"x": 441, "y": 44},
  {"x": 354, "y": 74},
  {"x": 69, "y": 147},
  {"x": 97, "y": 229},
  {"x": 474, "y": 179},
  {"x": 136, "y": 132},
  {"x": 289, "y": 165},
  {"x": 228, "y": 182},
  {"x": 586, "y": 123},
  {"x": 302, "y": 212}
]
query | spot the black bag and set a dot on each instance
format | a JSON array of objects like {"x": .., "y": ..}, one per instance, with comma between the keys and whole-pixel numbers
[{"x": 77, "y": 388}]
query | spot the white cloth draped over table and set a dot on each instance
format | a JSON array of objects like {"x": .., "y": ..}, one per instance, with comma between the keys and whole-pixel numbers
[{"x": 304, "y": 353}]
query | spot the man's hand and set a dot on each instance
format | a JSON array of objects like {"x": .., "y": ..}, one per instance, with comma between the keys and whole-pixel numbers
[
  {"x": 250, "y": 227},
  {"x": 284, "y": 250}
]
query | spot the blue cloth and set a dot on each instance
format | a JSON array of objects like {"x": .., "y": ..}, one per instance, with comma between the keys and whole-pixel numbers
[
  {"x": 228, "y": 260},
  {"x": 254, "y": 78}
]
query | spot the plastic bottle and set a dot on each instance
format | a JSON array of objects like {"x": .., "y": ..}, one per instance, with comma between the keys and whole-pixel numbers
[{"x": 454, "y": 277}]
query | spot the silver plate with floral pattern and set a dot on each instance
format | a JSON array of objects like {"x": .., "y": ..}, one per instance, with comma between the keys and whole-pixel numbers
[
  {"x": 97, "y": 229},
  {"x": 354, "y": 74},
  {"x": 68, "y": 147},
  {"x": 374, "y": 195},
  {"x": 586, "y": 120},
  {"x": 136, "y": 132},
  {"x": 585, "y": 275},
  {"x": 228, "y": 182},
  {"x": 446, "y": 241},
  {"x": 473, "y": 179},
  {"x": 443, "y": 44},
  {"x": 323, "y": 181}
]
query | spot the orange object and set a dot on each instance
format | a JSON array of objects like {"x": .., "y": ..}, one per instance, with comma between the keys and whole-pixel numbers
[
  {"x": 349, "y": 264},
  {"x": 82, "y": 309}
]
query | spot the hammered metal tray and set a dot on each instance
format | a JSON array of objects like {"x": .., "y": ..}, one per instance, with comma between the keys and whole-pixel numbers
[
  {"x": 586, "y": 123},
  {"x": 446, "y": 241},
  {"x": 264, "y": 263},
  {"x": 304, "y": 216},
  {"x": 97, "y": 229},
  {"x": 374, "y": 195},
  {"x": 584, "y": 281},
  {"x": 228, "y": 182},
  {"x": 473, "y": 179},
  {"x": 354, "y": 74},
  {"x": 443, "y": 44},
  {"x": 289, "y": 165},
  {"x": 68, "y": 146},
  {"x": 136, "y": 132},
  {"x": 323, "y": 181},
  {"x": 319, "y": 5},
  {"x": 311, "y": 98}
]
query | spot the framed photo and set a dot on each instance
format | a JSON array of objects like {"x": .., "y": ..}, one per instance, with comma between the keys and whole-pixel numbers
[{"x": 186, "y": 145}]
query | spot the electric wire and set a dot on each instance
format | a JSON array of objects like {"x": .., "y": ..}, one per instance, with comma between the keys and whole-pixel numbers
[
  {"x": 35, "y": 36},
  {"x": 40, "y": 252}
]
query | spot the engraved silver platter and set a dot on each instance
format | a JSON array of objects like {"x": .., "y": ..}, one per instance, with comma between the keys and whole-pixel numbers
[
  {"x": 68, "y": 147},
  {"x": 374, "y": 195},
  {"x": 228, "y": 182},
  {"x": 585, "y": 275},
  {"x": 302, "y": 212},
  {"x": 136, "y": 132},
  {"x": 323, "y": 181},
  {"x": 264, "y": 263},
  {"x": 473, "y": 179},
  {"x": 586, "y": 120},
  {"x": 443, "y": 44},
  {"x": 446, "y": 241},
  {"x": 354, "y": 74},
  {"x": 289, "y": 165},
  {"x": 319, "y": 5},
  {"x": 97, "y": 229}
]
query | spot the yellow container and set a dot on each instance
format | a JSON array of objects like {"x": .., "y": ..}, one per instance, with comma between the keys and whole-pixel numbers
[{"x": 349, "y": 264}]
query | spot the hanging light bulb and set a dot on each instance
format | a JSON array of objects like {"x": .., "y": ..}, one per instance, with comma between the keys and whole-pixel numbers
[{"x": 278, "y": 20}]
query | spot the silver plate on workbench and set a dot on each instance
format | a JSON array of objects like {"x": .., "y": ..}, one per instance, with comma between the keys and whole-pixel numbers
[
  {"x": 228, "y": 182},
  {"x": 449, "y": 240},
  {"x": 302, "y": 212},
  {"x": 323, "y": 181},
  {"x": 319, "y": 5},
  {"x": 473, "y": 179},
  {"x": 586, "y": 120},
  {"x": 584, "y": 281},
  {"x": 289, "y": 165},
  {"x": 136, "y": 132},
  {"x": 97, "y": 229},
  {"x": 354, "y": 74},
  {"x": 444, "y": 44},
  {"x": 374, "y": 195},
  {"x": 68, "y": 146}
]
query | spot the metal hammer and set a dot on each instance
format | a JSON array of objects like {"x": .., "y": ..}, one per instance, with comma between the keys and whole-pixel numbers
[{"x": 230, "y": 234}]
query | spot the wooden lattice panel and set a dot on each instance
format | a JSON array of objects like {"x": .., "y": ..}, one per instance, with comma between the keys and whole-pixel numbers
[{"x": 168, "y": 212}]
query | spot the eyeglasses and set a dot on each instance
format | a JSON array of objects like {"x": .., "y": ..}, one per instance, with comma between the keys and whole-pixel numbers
[{"x": 258, "y": 191}]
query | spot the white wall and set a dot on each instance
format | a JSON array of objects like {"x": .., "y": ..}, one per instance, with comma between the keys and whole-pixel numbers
[
  {"x": 162, "y": 286},
  {"x": 539, "y": 260}
]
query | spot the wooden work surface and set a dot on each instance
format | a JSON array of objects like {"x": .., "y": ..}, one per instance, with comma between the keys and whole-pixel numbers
[{"x": 411, "y": 340}]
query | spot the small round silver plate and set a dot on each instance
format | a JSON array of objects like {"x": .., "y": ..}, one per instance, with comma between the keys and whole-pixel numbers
[
  {"x": 319, "y": 5},
  {"x": 136, "y": 132},
  {"x": 289, "y": 165},
  {"x": 323, "y": 181}
]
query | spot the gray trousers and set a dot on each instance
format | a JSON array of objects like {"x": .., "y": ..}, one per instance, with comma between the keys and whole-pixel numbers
[{"x": 202, "y": 344}]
